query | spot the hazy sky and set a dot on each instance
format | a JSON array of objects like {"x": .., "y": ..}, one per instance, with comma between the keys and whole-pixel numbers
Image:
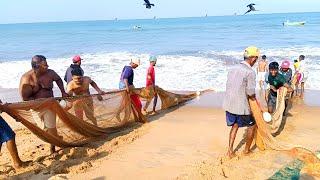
[{"x": 16, "y": 11}]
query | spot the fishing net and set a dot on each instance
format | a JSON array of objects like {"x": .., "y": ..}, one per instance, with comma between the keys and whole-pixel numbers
[
  {"x": 81, "y": 119},
  {"x": 265, "y": 140}
]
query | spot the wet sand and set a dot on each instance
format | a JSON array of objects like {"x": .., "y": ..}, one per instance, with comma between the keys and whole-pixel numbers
[{"x": 187, "y": 142}]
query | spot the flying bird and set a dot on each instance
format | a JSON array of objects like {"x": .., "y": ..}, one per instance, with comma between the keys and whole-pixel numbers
[
  {"x": 148, "y": 4},
  {"x": 251, "y": 8}
]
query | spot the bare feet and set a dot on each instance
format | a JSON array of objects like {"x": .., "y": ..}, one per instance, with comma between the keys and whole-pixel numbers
[
  {"x": 52, "y": 149},
  {"x": 247, "y": 152},
  {"x": 231, "y": 154},
  {"x": 153, "y": 113},
  {"x": 21, "y": 164},
  {"x": 144, "y": 112}
]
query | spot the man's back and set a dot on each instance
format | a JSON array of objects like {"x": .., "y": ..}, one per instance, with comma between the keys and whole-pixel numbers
[
  {"x": 262, "y": 66},
  {"x": 241, "y": 83}
]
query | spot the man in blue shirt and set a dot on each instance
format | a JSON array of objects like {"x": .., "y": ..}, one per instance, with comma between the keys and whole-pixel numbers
[
  {"x": 127, "y": 75},
  {"x": 126, "y": 82}
]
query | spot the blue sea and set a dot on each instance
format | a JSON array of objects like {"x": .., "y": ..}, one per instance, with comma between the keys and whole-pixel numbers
[{"x": 193, "y": 53}]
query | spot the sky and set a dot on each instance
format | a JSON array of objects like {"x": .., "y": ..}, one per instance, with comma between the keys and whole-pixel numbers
[{"x": 26, "y": 11}]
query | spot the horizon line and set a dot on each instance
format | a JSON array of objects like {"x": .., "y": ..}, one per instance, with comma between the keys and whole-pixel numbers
[{"x": 128, "y": 19}]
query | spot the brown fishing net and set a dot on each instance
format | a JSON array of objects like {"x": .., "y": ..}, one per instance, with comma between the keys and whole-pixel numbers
[
  {"x": 265, "y": 140},
  {"x": 81, "y": 119}
]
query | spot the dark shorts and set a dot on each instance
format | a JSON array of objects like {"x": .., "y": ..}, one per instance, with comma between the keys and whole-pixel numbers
[
  {"x": 241, "y": 120},
  {"x": 6, "y": 132},
  {"x": 272, "y": 101}
]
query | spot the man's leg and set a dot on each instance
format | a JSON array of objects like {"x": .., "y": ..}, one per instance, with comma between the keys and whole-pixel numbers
[
  {"x": 232, "y": 137},
  {"x": 12, "y": 148},
  {"x": 89, "y": 111},
  {"x": 250, "y": 136},
  {"x": 147, "y": 105},
  {"x": 302, "y": 88},
  {"x": 49, "y": 118},
  {"x": 54, "y": 132},
  {"x": 155, "y": 101}
]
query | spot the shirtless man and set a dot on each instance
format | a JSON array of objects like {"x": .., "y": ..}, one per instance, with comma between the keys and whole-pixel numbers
[
  {"x": 38, "y": 83},
  {"x": 79, "y": 86},
  {"x": 262, "y": 70}
]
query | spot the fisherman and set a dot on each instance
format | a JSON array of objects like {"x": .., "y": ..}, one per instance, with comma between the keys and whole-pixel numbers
[
  {"x": 276, "y": 81},
  {"x": 240, "y": 86},
  {"x": 36, "y": 84},
  {"x": 8, "y": 136},
  {"x": 304, "y": 72},
  {"x": 286, "y": 71},
  {"x": 76, "y": 64},
  {"x": 126, "y": 82},
  {"x": 151, "y": 85},
  {"x": 262, "y": 70},
  {"x": 79, "y": 86}
]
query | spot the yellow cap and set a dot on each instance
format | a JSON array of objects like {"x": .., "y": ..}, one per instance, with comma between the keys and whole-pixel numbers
[{"x": 251, "y": 52}]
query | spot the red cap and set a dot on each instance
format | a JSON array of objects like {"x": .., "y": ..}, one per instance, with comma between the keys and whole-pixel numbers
[{"x": 76, "y": 59}]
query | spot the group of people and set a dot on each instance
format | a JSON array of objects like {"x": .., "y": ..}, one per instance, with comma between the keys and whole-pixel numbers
[
  {"x": 276, "y": 76},
  {"x": 241, "y": 86},
  {"x": 38, "y": 82}
]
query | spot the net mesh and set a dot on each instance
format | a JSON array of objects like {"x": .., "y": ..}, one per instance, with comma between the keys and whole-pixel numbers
[
  {"x": 265, "y": 140},
  {"x": 81, "y": 119}
]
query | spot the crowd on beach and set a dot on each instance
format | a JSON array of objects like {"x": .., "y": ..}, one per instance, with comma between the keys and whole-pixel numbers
[
  {"x": 37, "y": 83},
  {"x": 241, "y": 86}
]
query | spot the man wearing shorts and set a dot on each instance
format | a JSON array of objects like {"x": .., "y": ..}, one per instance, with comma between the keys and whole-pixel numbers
[
  {"x": 240, "y": 86},
  {"x": 37, "y": 84},
  {"x": 276, "y": 81},
  {"x": 262, "y": 71}
]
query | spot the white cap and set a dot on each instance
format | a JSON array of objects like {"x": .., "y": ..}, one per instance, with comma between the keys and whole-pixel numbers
[{"x": 136, "y": 61}]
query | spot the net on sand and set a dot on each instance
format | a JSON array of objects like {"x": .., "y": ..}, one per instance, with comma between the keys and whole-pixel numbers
[
  {"x": 81, "y": 119},
  {"x": 265, "y": 140}
]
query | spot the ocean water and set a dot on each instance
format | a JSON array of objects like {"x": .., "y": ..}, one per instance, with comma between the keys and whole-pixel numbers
[{"x": 193, "y": 53}]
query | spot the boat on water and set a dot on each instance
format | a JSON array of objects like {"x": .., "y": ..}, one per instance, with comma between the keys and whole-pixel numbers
[
  {"x": 295, "y": 23},
  {"x": 137, "y": 27}
]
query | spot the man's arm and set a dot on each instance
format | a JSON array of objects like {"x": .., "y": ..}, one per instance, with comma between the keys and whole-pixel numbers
[
  {"x": 59, "y": 83},
  {"x": 288, "y": 87},
  {"x": 25, "y": 89},
  {"x": 95, "y": 86},
  {"x": 251, "y": 86},
  {"x": 127, "y": 84}
]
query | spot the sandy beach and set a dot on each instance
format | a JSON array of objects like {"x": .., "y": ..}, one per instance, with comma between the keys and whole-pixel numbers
[{"x": 186, "y": 142}]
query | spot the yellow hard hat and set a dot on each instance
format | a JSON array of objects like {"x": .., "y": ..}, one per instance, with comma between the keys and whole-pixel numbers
[{"x": 251, "y": 51}]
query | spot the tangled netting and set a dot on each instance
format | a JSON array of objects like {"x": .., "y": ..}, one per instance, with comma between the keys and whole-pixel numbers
[
  {"x": 265, "y": 139},
  {"x": 82, "y": 119}
]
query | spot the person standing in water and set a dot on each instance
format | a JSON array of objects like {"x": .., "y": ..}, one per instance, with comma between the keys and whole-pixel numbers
[
  {"x": 240, "y": 86},
  {"x": 151, "y": 85},
  {"x": 262, "y": 71},
  {"x": 37, "y": 84}
]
